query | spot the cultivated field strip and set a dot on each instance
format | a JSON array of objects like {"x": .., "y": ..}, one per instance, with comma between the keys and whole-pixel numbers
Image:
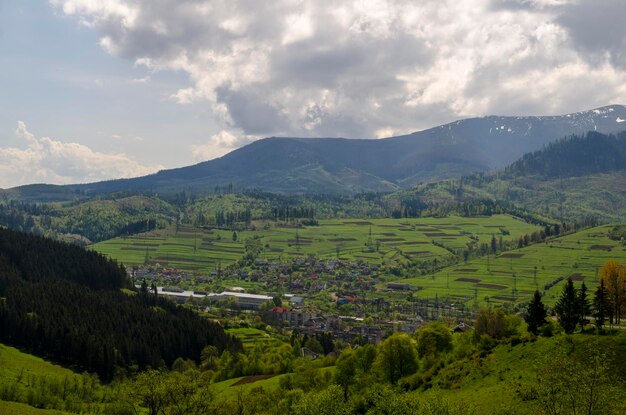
[
  {"x": 513, "y": 276},
  {"x": 201, "y": 250}
]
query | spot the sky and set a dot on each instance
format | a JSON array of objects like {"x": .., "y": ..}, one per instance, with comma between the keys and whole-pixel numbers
[{"x": 100, "y": 89}]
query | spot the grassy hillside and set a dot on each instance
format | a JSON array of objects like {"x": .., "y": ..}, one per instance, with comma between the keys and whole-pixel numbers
[
  {"x": 502, "y": 382},
  {"x": 490, "y": 280},
  {"x": 15, "y": 408},
  {"x": 391, "y": 240},
  {"x": 36, "y": 384}
]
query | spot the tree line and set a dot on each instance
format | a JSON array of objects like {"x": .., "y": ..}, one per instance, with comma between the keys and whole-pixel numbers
[{"x": 574, "y": 305}]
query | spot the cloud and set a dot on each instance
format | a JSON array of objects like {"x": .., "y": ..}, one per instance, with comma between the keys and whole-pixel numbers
[
  {"x": 219, "y": 144},
  {"x": 364, "y": 68},
  {"x": 597, "y": 30},
  {"x": 51, "y": 161}
]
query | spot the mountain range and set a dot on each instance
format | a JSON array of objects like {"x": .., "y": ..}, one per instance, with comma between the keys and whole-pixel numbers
[{"x": 337, "y": 165}]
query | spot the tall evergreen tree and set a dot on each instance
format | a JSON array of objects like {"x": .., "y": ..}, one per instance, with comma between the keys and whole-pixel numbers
[
  {"x": 584, "y": 308},
  {"x": 601, "y": 306},
  {"x": 567, "y": 307},
  {"x": 535, "y": 313}
]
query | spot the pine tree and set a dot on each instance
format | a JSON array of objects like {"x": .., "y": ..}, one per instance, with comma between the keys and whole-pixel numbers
[
  {"x": 535, "y": 313},
  {"x": 601, "y": 306},
  {"x": 584, "y": 308},
  {"x": 567, "y": 309}
]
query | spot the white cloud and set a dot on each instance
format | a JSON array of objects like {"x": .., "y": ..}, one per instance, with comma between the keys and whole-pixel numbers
[
  {"x": 218, "y": 145},
  {"x": 364, "y": 68},
  {"x": 144, "y": 80},
  {"x": 52, "y": 161}
]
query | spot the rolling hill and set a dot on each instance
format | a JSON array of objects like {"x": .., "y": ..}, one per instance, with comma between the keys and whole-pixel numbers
[
  {"x": 336, "y": 165},
  {"x": 570, "y": 179}
]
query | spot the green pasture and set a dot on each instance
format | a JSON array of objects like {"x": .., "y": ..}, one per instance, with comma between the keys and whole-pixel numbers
[
  {"x": 15, "y": 408},
  {"x": 230, "y": 388},
  {"x": 373, "y": 240},
  {"x": 513, "y": 276},
  {"x": 15, "y": 365},
  {"x": 251, "y": 337},
  {"x": 22, "y": 374}
]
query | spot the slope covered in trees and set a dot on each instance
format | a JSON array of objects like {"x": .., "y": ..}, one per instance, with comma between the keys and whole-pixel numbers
[
  {"x": 88, "y": 220},
  {"x": 61, "y": 301},
  {"x": 580, "y": 177},
  {"x": 591, "y": 153}
]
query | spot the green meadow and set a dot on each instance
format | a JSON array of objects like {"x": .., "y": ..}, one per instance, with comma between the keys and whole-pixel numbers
[
  {"x": 373, "y": 240},
  {"x": 251, "y": 337},
  {"x": 514, "y": 275},
  {"x": 25, "y": 378}
]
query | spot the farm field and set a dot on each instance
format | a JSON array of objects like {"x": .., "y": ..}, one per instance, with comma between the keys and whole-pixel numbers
[
  {"x": 374, "y": 240},
  {"x": 251, "y": 337},
  {"x": 513, "y": 276}
]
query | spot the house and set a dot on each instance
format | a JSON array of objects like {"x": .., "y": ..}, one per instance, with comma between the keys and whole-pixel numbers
[{"x": 461, "y": 328}]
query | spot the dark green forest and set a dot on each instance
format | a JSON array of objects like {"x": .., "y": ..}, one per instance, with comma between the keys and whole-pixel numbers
[
  {"x": 574, "y": 156},
  {"x": 66, "y": 303}
]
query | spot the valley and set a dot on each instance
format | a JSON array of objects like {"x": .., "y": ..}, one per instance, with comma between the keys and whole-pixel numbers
[{"x": 408, "y": 300}]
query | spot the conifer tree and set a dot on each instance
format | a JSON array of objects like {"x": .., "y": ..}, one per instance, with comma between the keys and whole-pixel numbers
[
  {"x": 567, "y": 309},
  {"x": 601, "y": 306},
  {"x": 535, "y": 313},
  {"x": 584, "y": 308}
]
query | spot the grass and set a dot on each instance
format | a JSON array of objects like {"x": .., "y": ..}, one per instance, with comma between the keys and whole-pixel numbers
[
  {"x": 374, "y": 240},
  {"x": 15, "y": 364},
  {"x": 251, "y": 337},
  {"x": 513, "y": 276},
  {"x": 227, "y": 390},
  {"x": 491, "y": 384},
  {"x": 15, "y": 408},
  {"x": 19, "y": 371}
]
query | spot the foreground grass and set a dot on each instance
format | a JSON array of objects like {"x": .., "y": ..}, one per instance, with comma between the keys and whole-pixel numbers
[
  {"x": 39, "y": 384},
  {"x": 499, "y": 383},
  {"x": 15, "y": 365},
  {"x": 15, "y": 408}
]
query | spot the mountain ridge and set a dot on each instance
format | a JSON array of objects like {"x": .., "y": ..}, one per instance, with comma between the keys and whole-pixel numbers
[{"x": 340, "y": 165}]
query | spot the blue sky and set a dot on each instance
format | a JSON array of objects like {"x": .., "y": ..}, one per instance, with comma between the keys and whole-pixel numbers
[
  {"x": 97, "y": 89},
  {"x": 61, "y": 84}
]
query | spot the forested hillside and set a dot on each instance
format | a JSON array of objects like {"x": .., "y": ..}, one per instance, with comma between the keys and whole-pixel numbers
[
  {"x": 60, "y": 301},
  {"x": 591, "y": 153},
  {"x": 576, "y": 178},
  {"x": 89, "y": 220}
]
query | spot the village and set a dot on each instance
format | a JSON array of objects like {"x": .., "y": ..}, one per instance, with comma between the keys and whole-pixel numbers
[{"x": 350, "y": 300}]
